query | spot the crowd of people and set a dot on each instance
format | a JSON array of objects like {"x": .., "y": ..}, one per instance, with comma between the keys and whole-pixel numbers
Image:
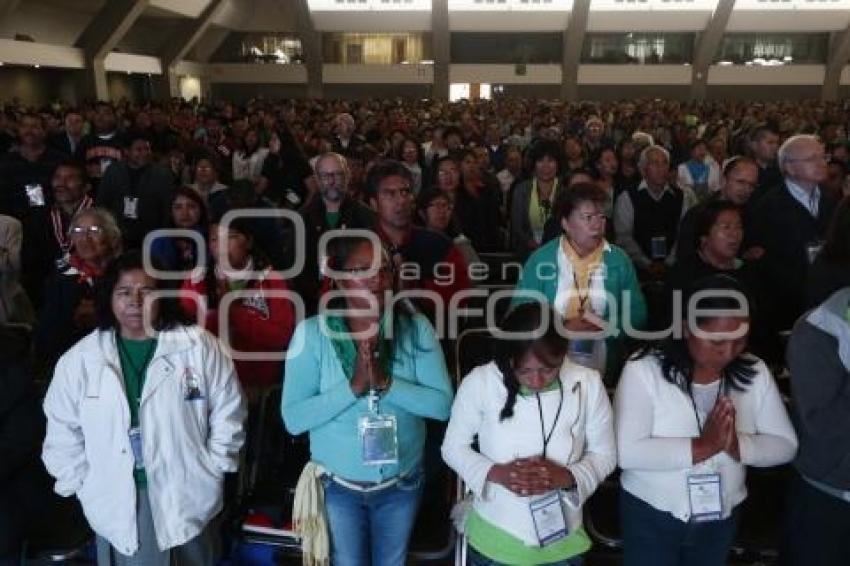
[{"x": 164, "y": 265}]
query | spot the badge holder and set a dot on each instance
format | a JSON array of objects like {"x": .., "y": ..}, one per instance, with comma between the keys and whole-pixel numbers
[
  {"x": 135, "y": 435},
  {"x": 658, "y": 247},
  {"x": 550, "y": 522},
  {"x": 704, "y": 495},
  {"x": 131, "y": 207},
  {"x": 35, "y": 194},
  {"x": 378, "y": 435}
]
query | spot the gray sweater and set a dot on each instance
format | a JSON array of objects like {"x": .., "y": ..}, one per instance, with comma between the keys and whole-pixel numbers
[{"x": 819, "y": 359}]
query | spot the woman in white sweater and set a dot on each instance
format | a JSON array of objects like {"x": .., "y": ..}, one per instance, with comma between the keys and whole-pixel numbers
[
  {"x": 545, "y": 442},
  {"x": 691, "y": 414}
]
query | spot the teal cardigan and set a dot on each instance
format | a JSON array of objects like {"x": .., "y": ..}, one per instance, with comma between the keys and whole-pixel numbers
[
  {"x": 317, "y": 398},
  {"x": 620, "y": 277}
]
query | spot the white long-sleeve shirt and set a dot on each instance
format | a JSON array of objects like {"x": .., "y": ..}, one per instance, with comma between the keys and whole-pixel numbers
[
  {"x": 655, "y": 423},
  {"x": 583, "y": 441}
]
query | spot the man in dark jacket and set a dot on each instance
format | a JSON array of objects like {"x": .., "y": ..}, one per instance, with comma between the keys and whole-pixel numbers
[
  {"x": 331, "y": 208},
  {"x": 104, "y": 146},
  {"x": 137, "y": 193},
  {"x": 25, "y": 171},
  {"x": 790, "y": 223}
]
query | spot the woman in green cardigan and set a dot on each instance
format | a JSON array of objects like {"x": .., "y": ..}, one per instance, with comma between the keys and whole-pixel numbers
[{"x": 590, "y": 282}]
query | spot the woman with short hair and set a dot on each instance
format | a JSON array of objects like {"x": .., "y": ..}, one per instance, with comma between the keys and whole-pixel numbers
[{"x": 144, "y": 417}]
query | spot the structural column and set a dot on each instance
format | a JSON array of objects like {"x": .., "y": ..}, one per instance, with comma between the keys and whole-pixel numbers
[
  {"x": 101, "y": 36},
  {"x": 441, "y": 44},
  {"x": 311, "y": 45},
  {"x": 573, "y": 44},
  {"x": 839, "y": 55},
  {"x": 707, "y": 45}
]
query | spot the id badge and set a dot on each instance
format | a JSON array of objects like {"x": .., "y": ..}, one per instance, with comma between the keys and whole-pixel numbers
[
  {"x": 537, "y": 235},
  {"x": 35, "y": 194},
  {"x": 581, "y": 348},
  {"x": 135, "y": 435},
  {"x": 131, "y": 206},
  {"x": 658, "y": 247},
  {"x": 104, "y": 165},
  {"x": 548, "y": 516},
  {"x": 705, "y": 497},
  {"x": 378, "y": 439},
  {"x": 812, "y": 251}
]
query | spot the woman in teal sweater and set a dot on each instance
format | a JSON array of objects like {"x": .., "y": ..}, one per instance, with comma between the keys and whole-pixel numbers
[
  {"x": 361, "y": 379},
  {"x": 589, "y": 282}
]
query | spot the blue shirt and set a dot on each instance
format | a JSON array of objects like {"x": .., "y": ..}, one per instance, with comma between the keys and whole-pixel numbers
[
  {"x": 317, "y": 398},
  {"x": 809, "y": 200}
]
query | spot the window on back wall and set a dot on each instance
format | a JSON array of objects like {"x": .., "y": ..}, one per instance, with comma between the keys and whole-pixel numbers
[
  {"x": 279, "y": 49},
  {"x": 638, "y": 48},
  {"x": 376, "y": 48},
  {"x": 772, "y": 49}
]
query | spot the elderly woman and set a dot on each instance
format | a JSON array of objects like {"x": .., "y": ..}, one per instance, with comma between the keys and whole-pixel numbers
[
  {"x": 68, "y": 311},
  {"x": 587, "y": 280},
  {"x": 144, "y": 417},
  {"x": 691, "y": 414},
  {"x": 545, "y": 442},
  {"x": 361, "y": 379},
  {"x": 533, "y": 200}
]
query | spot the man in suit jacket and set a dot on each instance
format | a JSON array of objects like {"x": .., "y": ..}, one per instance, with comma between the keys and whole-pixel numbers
[{"x": 790, "y": 222}]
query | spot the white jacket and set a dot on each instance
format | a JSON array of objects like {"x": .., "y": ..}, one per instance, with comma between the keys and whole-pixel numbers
[
  {"x": 187, "y": 444},
  {"x": 656, "y": 422},
  {"x": 583, "y": 441}
]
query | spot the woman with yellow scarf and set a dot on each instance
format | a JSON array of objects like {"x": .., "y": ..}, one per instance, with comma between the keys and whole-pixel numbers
[{"x": 589, "y": 282}]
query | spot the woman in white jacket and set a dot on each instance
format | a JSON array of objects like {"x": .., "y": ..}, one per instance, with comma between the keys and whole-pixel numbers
[
  {"x": 691, "y": 414},
  {"x": 546, "y": 441},
  {"x": 144, "y": 417}
]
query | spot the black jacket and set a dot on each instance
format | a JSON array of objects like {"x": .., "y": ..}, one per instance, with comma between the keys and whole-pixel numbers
[
  {"x": 153, "y": 187},
  {"x": 785, "y": 228}
]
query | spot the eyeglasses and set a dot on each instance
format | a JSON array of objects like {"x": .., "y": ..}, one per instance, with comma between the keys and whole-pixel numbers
[
  {"x": 330, "y": 176},
  {"x": 93, "y": 230},
  {"x": 814, "y": 158},
  {"x": 367, "y": 271}
]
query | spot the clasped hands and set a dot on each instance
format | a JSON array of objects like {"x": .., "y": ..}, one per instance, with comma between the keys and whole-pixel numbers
[
  {"x": 719, "y": 434},
  {"x": 531, "y": 476}
]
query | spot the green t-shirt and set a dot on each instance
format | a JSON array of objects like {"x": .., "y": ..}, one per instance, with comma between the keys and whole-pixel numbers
[
  {"x": 135, "y": 356},
  {"x": 496, "y": 544},
  {"x": 332, "y": 218}
]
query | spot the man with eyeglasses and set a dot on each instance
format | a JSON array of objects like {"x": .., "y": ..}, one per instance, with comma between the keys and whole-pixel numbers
[
  {"x": 790, "y": 223},
  {"x": 426, "y": 259},
  {"x": 330, "y": 208},
  {"x": 47, "y": 238}
]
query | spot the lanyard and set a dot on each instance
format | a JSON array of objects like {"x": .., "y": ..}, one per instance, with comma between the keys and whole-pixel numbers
[
  {"x": 694, "y": 403},
  {"x": 137, "y": 371},
  {"x": 548, "y": 437},
  {"x": 581, "y": 300}
]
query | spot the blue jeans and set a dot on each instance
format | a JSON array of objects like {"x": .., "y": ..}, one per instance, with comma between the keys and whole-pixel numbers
[
  {"x": 656, "y": 538},
  {"x": 475, "y": 558},
  {"x": 372, "y": 527}
]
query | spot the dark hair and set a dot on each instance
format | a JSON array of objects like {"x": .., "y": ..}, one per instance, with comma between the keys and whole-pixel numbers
[
  {"x": 194, "y": 196},
  {"x": 340, "y": 250},
  {"x": 597, "y": 156},
  {"x": 677, "y": 367},
  {"x": 244, "y": 226},
  {"x": 837, "y": 245},
  {"x": 698, "y": 142},
  {"x": 550, "y": 347},
  {"x": 575, "y": 172},
  {"x": 77, "y": 166},
  {"x": 429, "y": 195},
  {"x": 571, "y": 197},
  {"x": 169, "y": 313},
  {"x": 382, "y": 170},
  {"x": 706, "y": 216},
  {"x": 762, "y": 131},
  {"x": 734, "y": 162},
  {"x": 547, "y": 148}
]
